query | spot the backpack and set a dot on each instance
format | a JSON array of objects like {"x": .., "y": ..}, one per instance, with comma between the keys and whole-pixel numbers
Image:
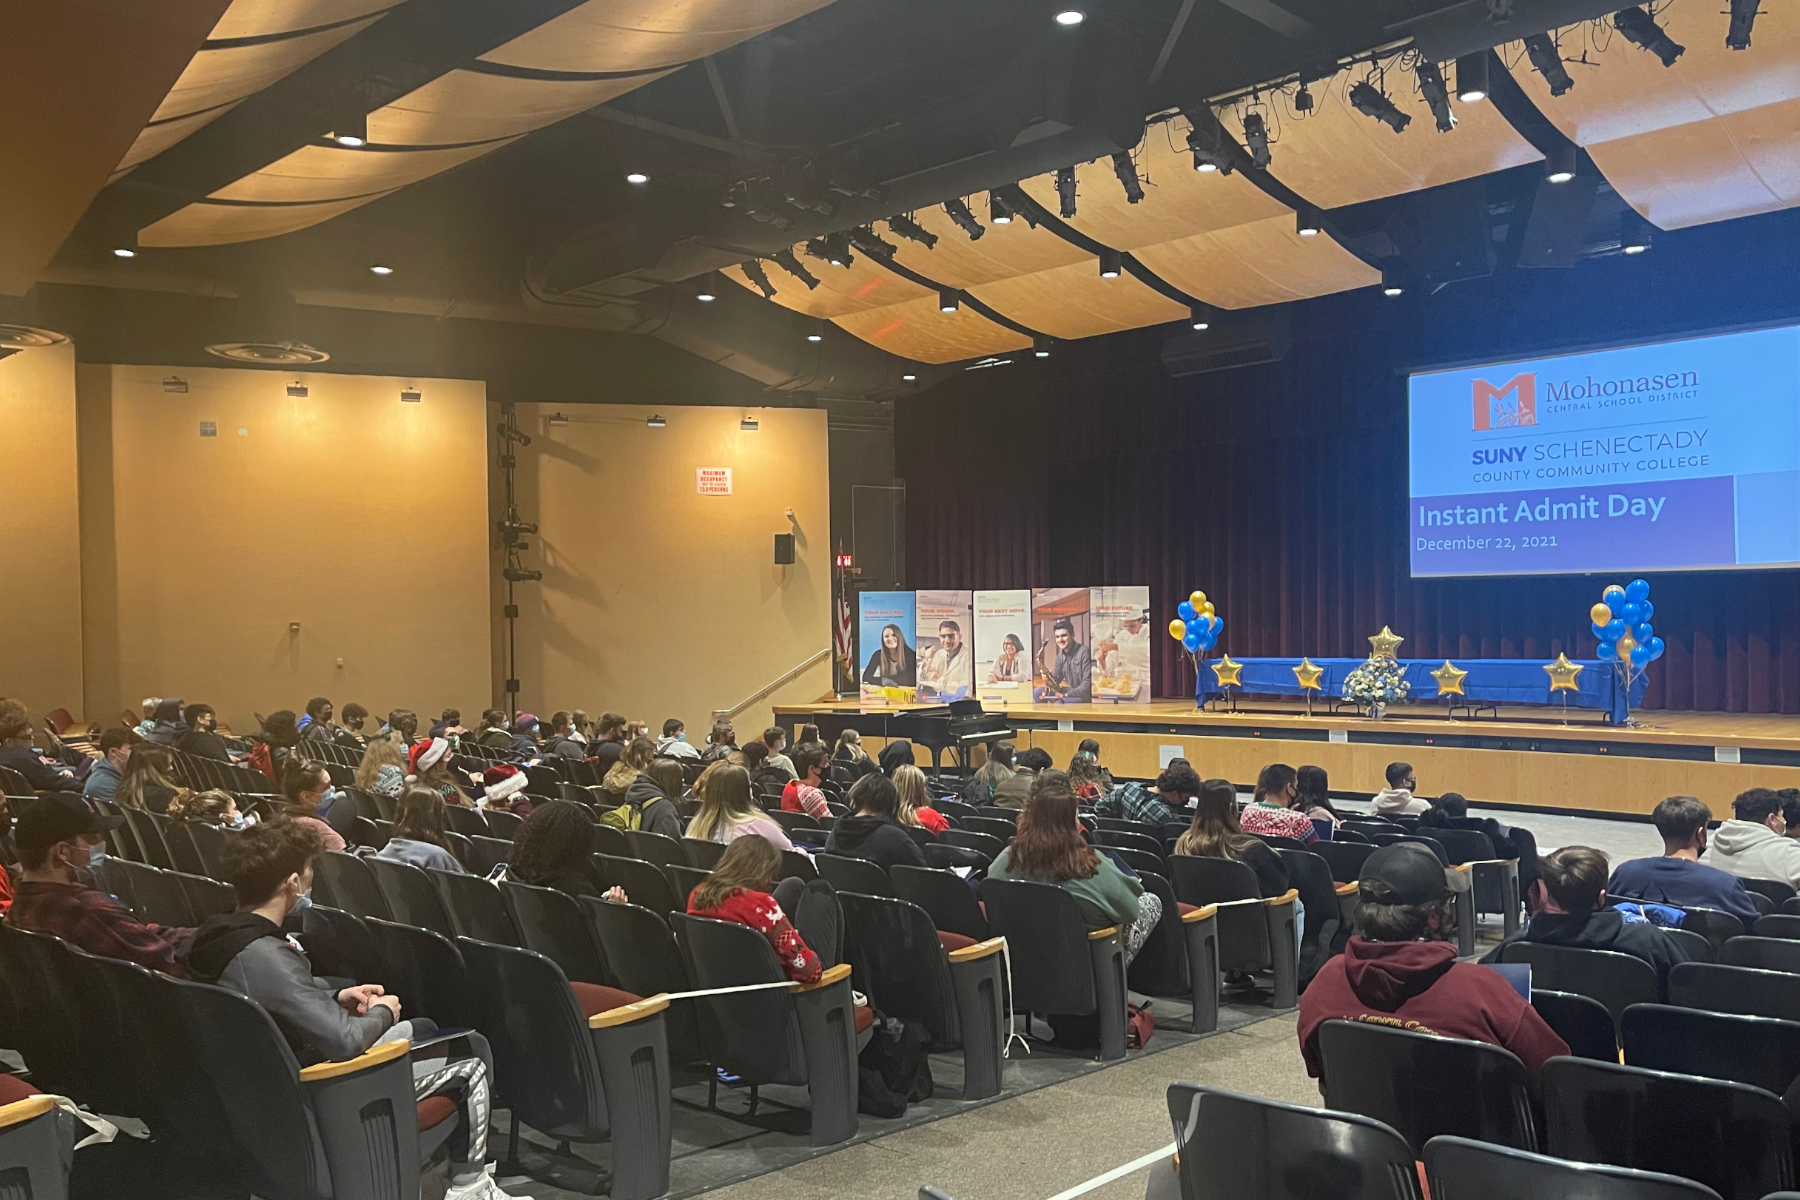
[
  {"x": 893, "y": 1070},
  {"x": 625, "y": 816}
]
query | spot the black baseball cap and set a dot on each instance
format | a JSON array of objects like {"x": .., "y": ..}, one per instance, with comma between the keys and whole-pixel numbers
[
  {"x": 1410, "y": 873},
  {"x": 51, "y": 819}
]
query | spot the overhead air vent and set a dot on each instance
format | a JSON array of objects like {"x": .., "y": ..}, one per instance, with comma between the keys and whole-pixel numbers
[
  {"x": 28, "y": 337},
  {"x": 269, "y": 354},
  {"x": 1247, "y": 342}
]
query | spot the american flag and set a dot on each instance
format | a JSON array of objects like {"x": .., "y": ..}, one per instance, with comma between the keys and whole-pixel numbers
[{"x": 840, "y": 638}]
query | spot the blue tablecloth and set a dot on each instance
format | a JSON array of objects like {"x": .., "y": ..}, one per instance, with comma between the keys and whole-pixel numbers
[{"x": 1495, "y": 680}]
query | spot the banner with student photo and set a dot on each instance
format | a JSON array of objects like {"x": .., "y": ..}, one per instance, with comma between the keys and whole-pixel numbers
[
  {"x": 1120, "y": 620},
  {"x": 1003, "y": 646},
  {"x": 946, "y": 657},
  {"x": 885, "y": 647},
  {"x": 1063, "y": 664}
]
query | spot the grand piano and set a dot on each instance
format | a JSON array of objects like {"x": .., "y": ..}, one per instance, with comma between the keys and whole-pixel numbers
[{"x": 955, "y": 726}]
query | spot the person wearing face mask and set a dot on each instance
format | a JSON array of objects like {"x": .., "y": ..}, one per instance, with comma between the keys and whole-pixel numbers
[
  {"x": 271, "y": 866},
  {"x": 1679, "y": 877},
  {"x": 60, "y": 840},
  {"x": 311, "y": 798},
  {"x": 674, "y": 743}
]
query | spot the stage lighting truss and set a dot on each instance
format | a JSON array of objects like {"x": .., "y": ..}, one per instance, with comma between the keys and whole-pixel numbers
[
  {"x": 1065, "y": 192},
  {"x": 904, "y": 226},
  {"x": 1371, "y": 102},
  {"x": 759, "y": 279},
  {"x": 789, "y": 262},
  {"x": 864, "y": 238},
  {"x": 1256, "y": 136},
  {"x": 1743, "y": 17},
  {"x": 1126, "y": 170},
  {"x": 965, "y": 220},
  {"x": 1546, "y": 59},
  {"x": 833, "y": 248},
  {"x": 1437, "y": 95},
  {"x": 1641, "y": 29}
]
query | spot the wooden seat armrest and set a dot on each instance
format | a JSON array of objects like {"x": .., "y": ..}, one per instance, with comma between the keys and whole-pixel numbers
[
  {"x": 1489, "y": 862},
  {"x": 1287, "y": 897},
  {"x": 374, "y": 1056},
  {"x": 1098, "y": 934},
  {"x": 978, "y": 950},
  {"x": 30, "y": 1108},
  {"x": 830, "y": 976},
  {"x": 1200, "y": 914},
  {"x": 625, "y": 1014},
  {"x": 1346, "y": 889},
  {"x": 1465, "y": 867}
]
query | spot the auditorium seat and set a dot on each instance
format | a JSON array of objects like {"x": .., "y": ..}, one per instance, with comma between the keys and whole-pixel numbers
[
  {"x": 1778, "y": 925},
  {"x": 803, "y": 1034},
  {"x": 550, "y": 922},
  {"x": 655, "y": 848},
  {"x": 998, "y": 828},
  {"x": 346, "y": 881},
  {"x": 149, "y": 837},
  {"x": 206, "y": 897},
  {"x": 32, "y": 1146},
  {"x": 1278, "y": 842},
  {"x": 1311, "y": 877},
  {"x": 426, "y": 971},
  {"x": 1760, "y": 1051},
  {"x": 793, "y": 822},
  {"x": 156, "y": 895},
  {"x": 644, "y": 884},
  {"x": 1762, "y": 953},
  {"x": 942, "y": 856},
  {"x": 1423, "y": 1085},
  {"x": 1616, "y": 980},
  {"x": 1777, "y": 891},
  {"x": 474, "y": 907},
  {"x": 798, "y": 866},
  {"x": 1430, "y": 843},
  {"x": 505, "y": 825},
  {"x": 848, "y": 874},
  {"x": 904, "y": 968},
  {"x": 1581, "y": 1022},
  {"x": 974, "y": 839},
  {"x": 339, "y": 944},
  {"x": 608, "y": 840},
  {"x": 1465, "y": 1169},
  {"x": 179, "y": 839},
  {"x": 410, "y": 897},
  {"x": 1696, "y": 947},
  {"x": 1058, "y": 964},
  {"x": 467, "y": 821},
  {"x": 66, "y": 1051},
  {"x": 363, "y": 833},
  {"x": 571, "y": 1074},
  {"x": 702, "y": 854},
  {"x": 1128, "y": 840},
  {"x": 1345, "y": 859},
  {"x": 684, "y": 880},
  {"x": 1236, "y": 1147},
  {"x": 1255, "y": 934},
  {"x": 1344, "y": 833},
  {"x": 1180, "y": 958},
  {"x": 1731, "y": 1137},
  {"x": 1743, "y": 990},
  {"x": 1715, "y": 926},
  {"x": 1496, "y": 879},
  {"x": 490, "y": 852},
  {"x": 945, "y": 897},
  {"x": 641, "y": 954}
]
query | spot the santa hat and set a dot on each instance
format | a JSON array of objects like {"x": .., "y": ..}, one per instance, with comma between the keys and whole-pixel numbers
[
  {"x": 426, "y": 755},
  {"x": 502, "y": 780}
]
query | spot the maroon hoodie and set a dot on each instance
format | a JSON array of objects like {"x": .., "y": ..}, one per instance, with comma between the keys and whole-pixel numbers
[{"x": 1420, "y": 986}]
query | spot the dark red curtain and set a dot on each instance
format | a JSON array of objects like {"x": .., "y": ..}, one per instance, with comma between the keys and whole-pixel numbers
[{"x": 1280, "y": 490}]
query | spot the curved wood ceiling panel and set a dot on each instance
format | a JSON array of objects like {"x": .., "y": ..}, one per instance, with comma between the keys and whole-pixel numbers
[
  {"x": 1003, "y": 251},
  {"x": 1337, "y": 156},
  {"x": 1075, "y": 302},
  {"x": 261, "y": 18},
  {"x": 1711, "y": 138},
  {"x": 153, "y": 139},
  {"x": 630, "y": 35},
  {"x": 1261, "y": 262},
  {"x": 318, "y": 173},
  {"x": 467, "y": 106},
  {"x": 917, "y": 330},
  {"x": 229, "y": 74},
  {"x": 864, "y": 285},
  {"x": 206, "y": 224}
]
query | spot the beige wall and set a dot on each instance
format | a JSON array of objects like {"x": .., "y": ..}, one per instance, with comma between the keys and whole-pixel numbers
[
  {"x": 658, "y": 601},
  {"x": 359, "y": 517},
  {"x": 40, "y": 536}
]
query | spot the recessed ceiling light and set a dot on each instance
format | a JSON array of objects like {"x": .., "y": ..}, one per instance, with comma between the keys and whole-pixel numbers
[
  {"x": 297, "y": 390},
  {"x": 410, "y": 396},
  {"x": 381, "y": 269},
  {"x": 348, "y": 140},
  {"x": 657, "y": 422},
  {"x": 705, "y": 297},
  {"x": 354, "y": 132},
  {"x": 748, "y": 425},
  {"x": 558, "y": 420},
  {"x": 815, "y": 337},
  {"x": 124, "y": 252},
  {"x": 637, "y": 177},
  {"x": 1070, "y": 16},
  {"x": 910, "y": 378}
]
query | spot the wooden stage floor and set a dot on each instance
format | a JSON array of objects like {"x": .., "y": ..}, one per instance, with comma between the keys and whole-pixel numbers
[{"x": 1526, "y": 758}]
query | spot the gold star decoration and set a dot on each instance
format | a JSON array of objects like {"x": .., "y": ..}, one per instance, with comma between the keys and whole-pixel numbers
[
  {"x": 1308, "y": 675},
  {"x": 1385, "y": 643},
  {"x": 1228, "y": 671},
  {"x": 1562, "y": 674},
  {"x": 1450, "y": 679}
]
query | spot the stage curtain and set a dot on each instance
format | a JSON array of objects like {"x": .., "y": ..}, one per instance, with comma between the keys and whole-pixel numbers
[{"x": 1281, "y": 489}]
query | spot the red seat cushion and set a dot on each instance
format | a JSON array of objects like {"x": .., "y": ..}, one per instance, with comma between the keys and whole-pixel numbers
[
  {"x": 1186, "y": 908},
  {"x": 954, "y": 941},
  {"x": 434, "y": 1111},
  {"x": 13, "y": 1089},
  {"x": 865, "y": 1017},
  {"x": 594, "y": 998}
]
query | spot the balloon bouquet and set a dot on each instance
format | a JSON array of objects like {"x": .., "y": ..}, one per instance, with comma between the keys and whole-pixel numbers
[
  {"x": 1627, "y": 639},
  {"x": 1196, "y": 627}
]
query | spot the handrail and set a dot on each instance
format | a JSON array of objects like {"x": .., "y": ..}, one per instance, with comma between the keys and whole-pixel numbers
[{"x": 812, "y": 660}]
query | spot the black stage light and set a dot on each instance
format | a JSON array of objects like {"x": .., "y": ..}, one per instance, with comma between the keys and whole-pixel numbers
[
  {"x": 521, "y": 575},
  {"x": 1561, "y": 163},
  {"x": 509, "y": 434},
  {"x": 753, "y": 271},
  {"x": 1209, "y": 152},
  {"x": 864, "y": 238},
  {"x": 1306, "y": 221},
  {"x": 1393, "y": 277},
  {"x": 1303, "y": 100},
  {"x": 1040, "y": 346},
  {"x": 789, "y": 262},
  {"x": 1548, "y": 61},
  {"x": 998, "y": 213},
  {"x": 1065, "y": 191},
  {"x": 965, "y": 220},
  {"x": 1126, "y": 170},
  {"x": 1743, "y": 16},
  {"x": 1472, "y": 77},
  {"x": 1256, "y": 133},
  {"x": 1200, "y": 316},
  {"x": 1641, "y": 29},
  {"x": 516, "y": 529},
  {"x": 949, "y": 300},
  {"x": 1111, "y": 264},
  {"x": 1634, "y": 232},
  {"x": 912, "y": 231},
  {"x": 1369, "y": 101},
  {"x": 1437, "y": 96}
]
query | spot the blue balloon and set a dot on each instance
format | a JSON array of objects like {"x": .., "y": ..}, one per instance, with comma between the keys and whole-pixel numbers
[
  {"x": 1631, "y": 611},
  {"x": 1641, "y": 633},
  {"x": 1649, "y": 609},
  {"x": 1614, "y": 596},
  {"x": 1605, "y": 650},
  {"x": 1599, "y": 631},
  {"x": 1656, "y": 648},
  {"x": 1615, "y": 629},
  {"x": 1185, "y": 611},
  {"x": 1218, "y": 623},
  {"x": 1640, "y": 655},
  {"x": 1191, "y": 640},
  {"x": 1637, "y": 589}
]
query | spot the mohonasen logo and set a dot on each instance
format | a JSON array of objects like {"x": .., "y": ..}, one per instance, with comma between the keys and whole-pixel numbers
[{"x": 1507, "y": 406}]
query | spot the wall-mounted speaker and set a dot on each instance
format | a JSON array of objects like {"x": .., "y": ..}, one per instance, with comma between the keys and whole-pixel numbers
[{"x": 784, "y": 549}]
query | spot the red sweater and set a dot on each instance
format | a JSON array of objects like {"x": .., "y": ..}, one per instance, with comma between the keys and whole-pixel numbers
[
  {"x": 1419, "y": 986},
  {"x": 759, "y": 911},
  {"x": 932, "y": 819},
  {"x": 804, "y": 797}
]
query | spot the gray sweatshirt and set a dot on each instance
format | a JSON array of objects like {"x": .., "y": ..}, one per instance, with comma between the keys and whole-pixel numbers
[{"x": 277, "y": 975}]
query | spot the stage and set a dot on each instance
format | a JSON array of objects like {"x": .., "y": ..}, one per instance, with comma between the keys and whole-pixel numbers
[{"x": 1524, "y": 759}]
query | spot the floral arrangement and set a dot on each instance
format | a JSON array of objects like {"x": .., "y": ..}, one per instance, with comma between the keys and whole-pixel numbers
[{"x": 1380, "y": 680}]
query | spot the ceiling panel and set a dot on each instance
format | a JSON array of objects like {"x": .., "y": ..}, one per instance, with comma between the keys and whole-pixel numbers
[
  {"x": 316, "y": 173},
  {"x": 1074, "y": 302},
  {"x": 1261, "y": 262},
  {"x": 205, "y": 224},
  {"x": 863, "y": 285},
  {"x": 630, "y": 35},
  {"x": 262, "y": 18},
  {"x": 917, "y": 330},
  {"x": 1003, "y": 251},
  {"x": 160, "y": 135},
  {"x": 1336, "y": 156},
  {"x": 1711, "y": 138},
  {"x": 468, "y": 106}
]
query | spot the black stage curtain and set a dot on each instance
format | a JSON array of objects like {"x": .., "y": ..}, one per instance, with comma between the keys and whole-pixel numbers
[{"x": 1280, "y": 489}]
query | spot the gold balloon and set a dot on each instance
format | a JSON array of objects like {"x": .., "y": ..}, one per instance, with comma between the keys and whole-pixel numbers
[
  {"x": 1197, "y": 599},
  {"x": 1625, "y": 646},
  {"x": 1600, "y": 613},
  {"x": 1562, "y": 674},
  {"x": 1177, "y": 629},
  {"x": 1207, "y": 608}
]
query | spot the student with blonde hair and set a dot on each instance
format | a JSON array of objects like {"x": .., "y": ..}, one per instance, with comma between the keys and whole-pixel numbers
[
  {"x": 727, "y": 812},
  {"x": 914, "y": 807}
]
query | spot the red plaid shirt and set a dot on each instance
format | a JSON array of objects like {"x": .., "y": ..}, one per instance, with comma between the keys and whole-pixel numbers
[{"x": 95, "y": 922}]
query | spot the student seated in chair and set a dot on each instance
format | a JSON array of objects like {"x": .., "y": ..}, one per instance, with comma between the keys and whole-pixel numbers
[
  {"x": 806, "y": 794},
  {"x": 271, "y": 865},
  {"x": 1400, "y": 969},
  {"x": 1568, "y": 908},
  {"x": 115, "y": 752},
  {"x": 1162, "y": 802},
  {"x": 418, "y": 837},
  {"x": 741, "y": 889},
  {"x": 871, "y": 830},
  {"x": 1397, "y": 798},
  {"x": 1679, "y": 877},
  {"x": 1755, "y": 844}
]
